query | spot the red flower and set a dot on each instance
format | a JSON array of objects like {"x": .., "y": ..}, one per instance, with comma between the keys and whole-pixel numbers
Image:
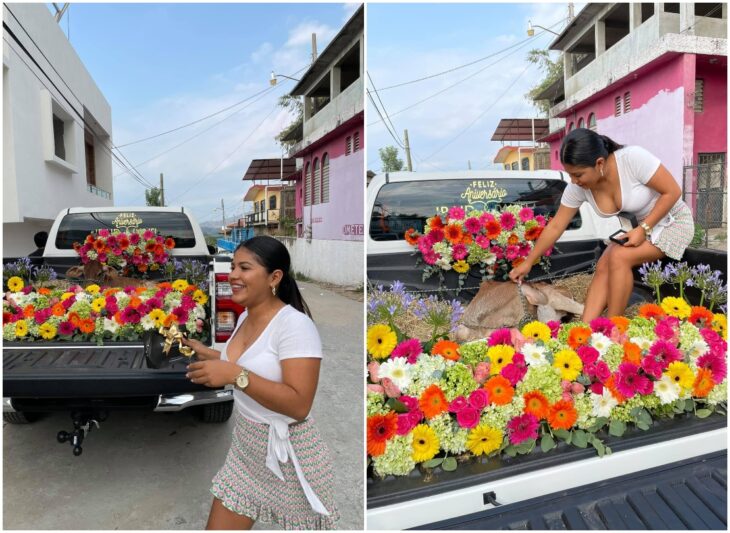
[
  {"x": 532, "y": 234},
  {"x": 493, "y": 228},
  {"x": 381, "y": 428}
]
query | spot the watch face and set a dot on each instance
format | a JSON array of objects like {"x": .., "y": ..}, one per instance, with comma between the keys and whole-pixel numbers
[{"x": 242, "y": 381}]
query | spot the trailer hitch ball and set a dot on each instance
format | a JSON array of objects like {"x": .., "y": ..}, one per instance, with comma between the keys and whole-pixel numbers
[{"x": 62, "y": 436}]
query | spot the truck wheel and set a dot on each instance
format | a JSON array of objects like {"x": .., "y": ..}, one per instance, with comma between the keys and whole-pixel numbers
[
  {"x": 19, "y": 417},
  {"x": 216, "y": 412}
]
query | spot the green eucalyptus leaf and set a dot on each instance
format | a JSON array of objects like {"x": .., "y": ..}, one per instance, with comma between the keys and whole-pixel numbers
[
  {"x": 433, "y": 463},
  {"x": 580, "y": 439},
  {"x": 703, "y": 413},
  {"x": 689, "y": 405},
  {"x": 547, "y": 443},
  {"x": 616, "y": 428},
  {"x": 449, "y": 464},
  {"x": 562, "y": 434},
  {"x": 642, "y": 425},
  {"x": 599, "y": 446},
  {"x": 511, "y": 451},
  {"x": 395, "y": 405}
]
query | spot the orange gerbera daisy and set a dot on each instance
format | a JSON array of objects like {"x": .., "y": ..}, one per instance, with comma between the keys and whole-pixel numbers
[
  {"x": 433, "y": 402},
  {"x": 578, "y": 336},
  {"x": 610, "y": 384},
  {"x": 500, "y": 390},
  {"x": 170, "y": 319},
  {"x": 517, "y": 262},
  {"x": 494, "y": 228},
  {"x": 44, "y": 291},
  {"x": 170, "y": 243},
  {"x": 446, "y": 349},
  {"x": 703, "y": 383},
  {"x": 650, "y": 311},
  {"x": 28, "y": 311},
  {"x": 380, "y": 429},
  {"x": 536, "y": 404},
  {"x": 86, "y": 325},
  {"x": 135, "y": 302},
  {"x": 142, "y": 267},
  {"x": 140, "y": 290},
  {"x": 149, "y": 247},
  {"x": 58, "y": 310},
  {"x": 513, "y": 239},
  {"x": 411, "y": 236},
  {"x": 700, "y": 316},
  {"x": 436, "y": 222},
  {"x": 111, "y": 290},
  {"x": 118, "y": 319},
  {"x": 74, "y": 318},
  {"x": 89, "y": 239},
  {"x": 99, "y": 245},
  {"x": 453, "y": 233},
  {"x": 533, "y": 234},
  {"x": 467, "y": 239},
  {"x": 632, "y": 353},
  {"x": 562, "y": 415},
  {"x": 164, "y": 285},
  {"x": 621, "y": 323}
]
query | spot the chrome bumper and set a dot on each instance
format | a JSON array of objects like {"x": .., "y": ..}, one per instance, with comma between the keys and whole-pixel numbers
[
  {"x": 178, "y": 402},
  {"x": 8, "y": 406}
]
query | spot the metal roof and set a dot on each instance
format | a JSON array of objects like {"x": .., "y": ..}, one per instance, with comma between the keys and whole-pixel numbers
[
  {"x": 520, "y": 129},
  {"x": 270, "y": 169},
  {"x": 322, "y": 64}
]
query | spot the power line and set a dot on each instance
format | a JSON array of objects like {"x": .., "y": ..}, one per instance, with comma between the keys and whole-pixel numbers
[
  {"x": 395, "y": 138},
  {"x": 372, "y": 83},
  {"x": 711, "y": 12}
]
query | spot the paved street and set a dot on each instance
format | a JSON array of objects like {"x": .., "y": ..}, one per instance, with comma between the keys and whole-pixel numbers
[{"x": 153, "y": 470}]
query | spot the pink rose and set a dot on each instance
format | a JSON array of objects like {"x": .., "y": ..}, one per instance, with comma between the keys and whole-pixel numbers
[
  {"x": 481, "y": 372},
  {"x": 373, "y": 368},
  {"x": 468, "y": 417},
  {"x": 457, "y": 404},
  {"x": 597, "y": 388},
  {"x": 578, "y": 388},
  {"x": 391, "y": 389},
  {"x": 566, "y": 385},
  {"x": 567, "y": 397},
  {"x": 405, "y": 424},
  {"x": 410, "y": 402},
  {"x": 479, "y": 399},
  {"x": 376, "y": 388},
  {"x": 518, "y": 339}
]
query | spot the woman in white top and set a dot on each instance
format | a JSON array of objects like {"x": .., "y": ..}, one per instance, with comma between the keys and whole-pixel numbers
[
  {"x": 277, "y": 469},
  {"x": 614, "y": 179}
]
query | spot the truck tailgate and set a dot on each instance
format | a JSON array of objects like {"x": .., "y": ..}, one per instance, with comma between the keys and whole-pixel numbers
[
  {"x": 690, "y": 494},
  {"x": 60, "y": 371}
]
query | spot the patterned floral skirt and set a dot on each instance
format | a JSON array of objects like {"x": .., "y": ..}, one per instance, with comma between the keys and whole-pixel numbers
[
  {"x": 675, "y": 238},
  {"x": 246, "y": 486}
]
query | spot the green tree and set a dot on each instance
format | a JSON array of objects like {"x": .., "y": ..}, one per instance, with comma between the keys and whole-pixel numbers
[
  {"x": 553, "y": 71},
  {"x": 295, "y": 105},
  {"x": 153, "y": 196},
  {"x": 390, "y": 160}
]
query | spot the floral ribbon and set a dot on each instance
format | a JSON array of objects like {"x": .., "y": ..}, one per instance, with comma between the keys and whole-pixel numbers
[{"x": 171, "y": 335}]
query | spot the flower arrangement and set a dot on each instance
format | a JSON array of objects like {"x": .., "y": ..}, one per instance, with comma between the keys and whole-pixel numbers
[
  {"x": 495, "y": 241},
  {"x": 710, "y": 285},
  {"x": 141, "y": 250},
  {"x": 543, "y": 384},
  {"x": 99, "y": 314}
]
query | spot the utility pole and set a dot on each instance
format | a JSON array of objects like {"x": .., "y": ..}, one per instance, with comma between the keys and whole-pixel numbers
[
  {"x": 571, "y": 14},
  {"x": 223, "y": 226},
  {"x": 468, "y": 164},
  {"x": 162, "y": 191},
  {"x": 314, "y": 47},
  {"x": 408, "y": 151}
]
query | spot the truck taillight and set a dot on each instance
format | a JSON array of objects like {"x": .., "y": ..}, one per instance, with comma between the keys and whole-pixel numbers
[{"x": 226, "y": 310}]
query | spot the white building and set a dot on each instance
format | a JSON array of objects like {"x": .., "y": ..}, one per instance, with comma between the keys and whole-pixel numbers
[{"x": 56, "y": 128}]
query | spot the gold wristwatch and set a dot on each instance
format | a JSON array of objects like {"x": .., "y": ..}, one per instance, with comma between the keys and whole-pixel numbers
[
  {"x": 242, "y": 380},
  {"x": 647, "y": 228}
]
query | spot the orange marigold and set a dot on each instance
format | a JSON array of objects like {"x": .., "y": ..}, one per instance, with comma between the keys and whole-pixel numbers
[
  {"x": 380, "y": 429},
  {"x": 578, "y": 337},
  {"x": 500, "y": 390},
  {"x": 453, "y": 233},
  {"x": 536, "y": 404},
  {"x": 562, "y": 415},
  {"x": 446, "y": 349},
  {"x": 58, "y": 310},
  {"x": 411, "y": 236},
  {"x": 700, "y": 316},
  {"x": 650, "y": 311},
  {"x": 632, "y": 353},
  {"x": 703, "y": 383},
  {"x": 433, "y": 402},
  {"x": 621, "y": 323}
]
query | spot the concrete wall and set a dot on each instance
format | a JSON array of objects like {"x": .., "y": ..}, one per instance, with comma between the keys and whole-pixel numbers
[
  {"x": 344, "y": 106},
  {"x": 36, "y": 185},
  {"x": 342, "y": 217},
  {"x": 338, "y": 262}
]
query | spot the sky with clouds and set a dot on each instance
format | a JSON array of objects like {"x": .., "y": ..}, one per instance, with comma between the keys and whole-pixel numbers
[
  {"x": 164, "y": 65},
  {"x": 409, "y": 41}
]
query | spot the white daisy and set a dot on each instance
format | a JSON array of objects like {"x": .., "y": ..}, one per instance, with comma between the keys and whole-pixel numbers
[
  {"x": 534, "y": 354},
  {"x": 642, "y": 342},
  {"x": 147, "y": 322},
  {"x": 603, "y": 403},
  {"x": 666, "y": 390},
  {"x": 697, "y": 349},
  {"x": 398, "y": 370},
  {"x": 600, "y": 342},
  {"x": 110, "y": 325}
]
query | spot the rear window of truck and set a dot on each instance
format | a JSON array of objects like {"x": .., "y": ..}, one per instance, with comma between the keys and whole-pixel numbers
[
  {"x": 76, "y": 226},
  {"x": 404, "y": 205}
]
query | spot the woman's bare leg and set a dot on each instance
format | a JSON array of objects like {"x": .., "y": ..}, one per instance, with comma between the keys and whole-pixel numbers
[
  {"x": 597, "y": 295},
  {"x": 222, "y": 518},
  {"x": 620, "y": 277}
]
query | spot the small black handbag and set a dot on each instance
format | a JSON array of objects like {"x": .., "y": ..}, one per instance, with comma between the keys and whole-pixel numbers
[{"x": 163, "y": 348}]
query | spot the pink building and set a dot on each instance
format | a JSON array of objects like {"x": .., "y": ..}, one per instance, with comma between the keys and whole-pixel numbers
[{"x": 650, "y": 74}]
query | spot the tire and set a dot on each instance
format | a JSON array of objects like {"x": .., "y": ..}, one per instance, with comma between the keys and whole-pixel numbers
[
  {"x": 19, "y": 417},
  {"x": 214, "y": 413}
]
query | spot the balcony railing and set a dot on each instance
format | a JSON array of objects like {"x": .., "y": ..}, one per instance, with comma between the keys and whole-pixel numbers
[
  {"x": 93, "y": 189},
  {"x": 259, "y": 217}
]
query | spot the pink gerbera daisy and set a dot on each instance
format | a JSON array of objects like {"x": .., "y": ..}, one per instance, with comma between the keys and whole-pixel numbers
[
  {"x": 484, "y": 218},
  {"x": 715, "y": 364},
  {"x": 666, "y": 351},
  {"x": 66, "y": 328},
  {"x": 482, "y": 241},
  {"x": 526, "y": 214},
  {"x": 409, "y": 349},
  {"x": 472, "y": 225},
  {"x": 430, "y": 257},
  {"x": 522, "y": 428},
  {"x": 459, "y": 252},
  {"x": 516, "y": 370},
  {"x": 500, "y": 336},
  {"x": 602, "y": 325},
  {"x": 629, "y": 381},
  {"x": 456, "y": 213},
  {"x": 507, "y": 220}
]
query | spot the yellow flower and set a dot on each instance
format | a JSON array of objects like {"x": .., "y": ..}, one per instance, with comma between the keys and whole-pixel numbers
[
  {"x": 15, "y": 284},
  {"x": 98, "y": 304},
  {"x": 484, "y": 439},
  {"x": 21, "y": 328},
  {"x": 158, "y": 315},
  {"x": 461, "y": 266},
  {"x": 569, "y": 364},
  {"x": 154, "y": 266},
  {"x": 676, "y": 307},
  {"x": 537, "y": 331},
  {"x": 381, "y": 341},
  {"x": 499, "y": 356},
  {"x": 93, "y": 289},
  {"x": 66, "y": 295},
  {"x": 425, "y": 443},
  {"x": 47, "y": 331},
  {"x": 680, "y": 374},
  {"x": 180, "y": 285},
  {"x": 719, "y": 324},
  {"x": 200, "y": 297}
]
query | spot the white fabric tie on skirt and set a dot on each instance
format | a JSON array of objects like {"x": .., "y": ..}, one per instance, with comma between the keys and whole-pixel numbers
[{"x": 280, "y": 450}]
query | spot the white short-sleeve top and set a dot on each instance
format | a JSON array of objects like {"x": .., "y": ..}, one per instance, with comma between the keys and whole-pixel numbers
[
  {"x": 288, "y": 335},
  {"x": 636, "y": 166}
]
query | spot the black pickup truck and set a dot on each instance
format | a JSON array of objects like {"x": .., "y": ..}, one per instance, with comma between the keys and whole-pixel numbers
[{"x": 90, "y": 380}]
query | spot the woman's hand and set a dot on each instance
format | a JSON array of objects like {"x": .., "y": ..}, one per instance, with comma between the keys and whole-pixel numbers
[
  {"x": 518, "y": 273},
  {"x": 213, "y": 373},
  {"x": 635, "y": 237},
  {"x": 202, "y": 351}
]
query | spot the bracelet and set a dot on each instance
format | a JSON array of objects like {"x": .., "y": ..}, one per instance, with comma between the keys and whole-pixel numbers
[{"x": 646, "y": 227}]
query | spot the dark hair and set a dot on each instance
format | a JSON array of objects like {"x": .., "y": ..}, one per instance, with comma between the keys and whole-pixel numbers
[
  {"x": 40, "y": 239},
  {"x": 582, "y": 147},
  {"x": 273, "y": 255}
]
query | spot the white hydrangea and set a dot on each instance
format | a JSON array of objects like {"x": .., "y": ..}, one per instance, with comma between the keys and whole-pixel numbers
[
  {"x": 111, "y": 326},
  {"x": 642, "y": 342}
]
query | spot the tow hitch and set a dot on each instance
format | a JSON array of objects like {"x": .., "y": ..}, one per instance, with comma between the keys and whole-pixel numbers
[{"x": 84, "y": 422}]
